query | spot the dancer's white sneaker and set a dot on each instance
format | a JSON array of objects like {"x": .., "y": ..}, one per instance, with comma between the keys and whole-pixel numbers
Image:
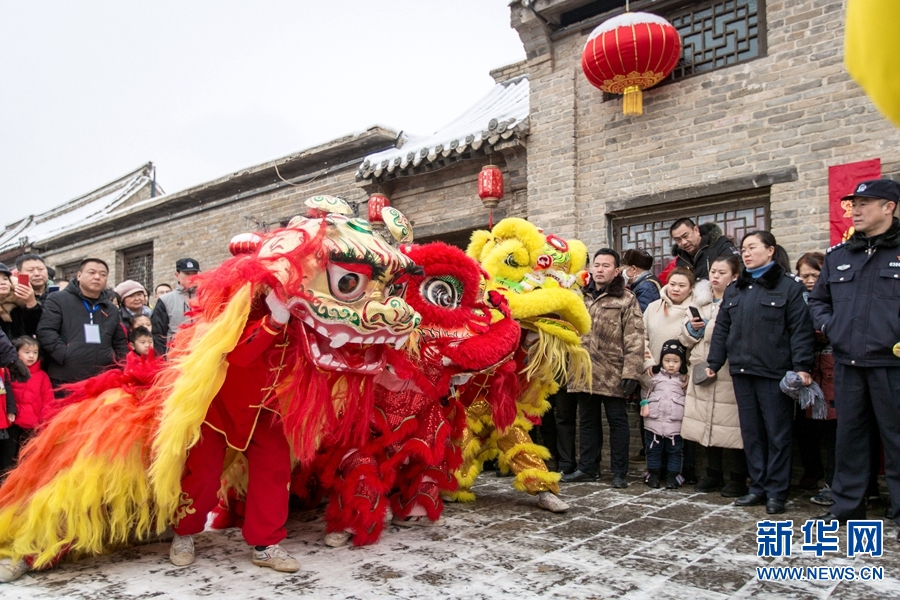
[
  {"x": 422, "y": 521},
  {"x": 336, "y": 539},
  {"x": 10, "y": 572},
  {"x": 550, "y": 501},
  {"x": 275, "y": 557},
  {"x": 181, "y": 553}
]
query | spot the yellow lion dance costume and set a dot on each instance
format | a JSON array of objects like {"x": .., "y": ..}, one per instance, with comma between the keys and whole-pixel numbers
[{"x": 541, "y": 277}]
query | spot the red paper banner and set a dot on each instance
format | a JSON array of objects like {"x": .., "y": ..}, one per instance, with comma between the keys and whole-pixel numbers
[{"x": 842, "y": 180}]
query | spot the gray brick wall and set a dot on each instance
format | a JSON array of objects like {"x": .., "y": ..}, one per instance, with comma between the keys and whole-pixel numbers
[{"x": 795, "y": 107}]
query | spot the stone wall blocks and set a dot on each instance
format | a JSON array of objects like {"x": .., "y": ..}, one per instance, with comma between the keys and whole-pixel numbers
[{"x": 829, "y": 143}]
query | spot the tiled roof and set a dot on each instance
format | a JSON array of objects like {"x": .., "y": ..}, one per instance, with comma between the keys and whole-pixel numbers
[
  {"x": 89, "y": 207},
  {"x": 502, "y": 114}
]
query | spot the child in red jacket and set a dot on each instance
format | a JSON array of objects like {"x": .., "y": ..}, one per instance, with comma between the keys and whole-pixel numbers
[{"x": 33, "y": 397}]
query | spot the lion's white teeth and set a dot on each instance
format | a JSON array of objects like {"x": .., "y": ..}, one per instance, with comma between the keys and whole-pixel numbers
[
  {"x": 322, "y": 331},
  {"x": 356, "y": 339},
  {"x": 380, "y": 339},
  {"x": 400, "y": 342},
  {"x": 368, "y": 340},
  {"x": 339, "y": 339}
]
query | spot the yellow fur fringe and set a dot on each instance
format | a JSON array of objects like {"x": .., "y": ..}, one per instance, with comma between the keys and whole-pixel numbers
[
  {"x": 547, "y": 477},
  {"x": 94, "y": 504},
  {"x": 460, "y": 496},
  {"x": 551, "y": 358},
  {"x": 201, "y": 370}
]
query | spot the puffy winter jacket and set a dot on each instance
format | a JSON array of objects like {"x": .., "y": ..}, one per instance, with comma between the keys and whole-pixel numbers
[
  {"x": 61, "y": 334},
  {"x": 32, "y": 398},
  {"x": 710, "y": 410},
  {"x": 713, "y": 244},
  {"x": 666, "y": 401},
  {"x": 763, "y": 327},
  {"x": 646, "y": 288},
  {"x": 616, "y": 339}
]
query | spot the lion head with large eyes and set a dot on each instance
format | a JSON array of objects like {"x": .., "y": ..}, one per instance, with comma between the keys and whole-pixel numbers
[
  {"x": 460, "y": 326},
  {"x": 341, "y": 280},
  {"x": 541, "y": 276}
]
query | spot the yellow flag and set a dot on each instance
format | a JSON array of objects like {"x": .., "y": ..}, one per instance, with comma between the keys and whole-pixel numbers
[{"x": 871, "y": 53}]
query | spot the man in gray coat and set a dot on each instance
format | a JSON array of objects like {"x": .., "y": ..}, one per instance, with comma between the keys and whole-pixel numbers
[{"x": 171, "y": 308}]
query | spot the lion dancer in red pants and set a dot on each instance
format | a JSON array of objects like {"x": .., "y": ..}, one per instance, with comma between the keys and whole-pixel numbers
[{"x": 238, "y": 419}]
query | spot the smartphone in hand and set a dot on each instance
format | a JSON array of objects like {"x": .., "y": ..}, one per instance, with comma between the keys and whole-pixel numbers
[
  {"x": 694, "y": 312},
  {"x": 23, "y": 278}
]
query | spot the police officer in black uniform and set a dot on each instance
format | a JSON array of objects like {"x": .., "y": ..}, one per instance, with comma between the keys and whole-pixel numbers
[{"x": 856, "y": 303}]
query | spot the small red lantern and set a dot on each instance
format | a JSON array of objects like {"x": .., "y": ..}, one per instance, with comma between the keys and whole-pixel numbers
[
  {"x": 630, "y": 53},
  {"x": 376, "y": 203},
  {"x": 490, "y": 186}
]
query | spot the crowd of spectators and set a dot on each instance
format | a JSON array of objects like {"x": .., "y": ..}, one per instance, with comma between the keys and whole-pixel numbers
[
  {"x": 706, "y": 349},
  {"x": 59, "y": 333},
  {"x": 724, "y": 331}
]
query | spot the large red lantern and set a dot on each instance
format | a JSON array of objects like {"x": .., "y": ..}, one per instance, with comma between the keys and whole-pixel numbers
[
  {"x": 630, "y": 53},
  {"x": 377, "y": 202}
]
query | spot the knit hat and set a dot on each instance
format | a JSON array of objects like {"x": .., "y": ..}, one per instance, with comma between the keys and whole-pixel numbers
[
  {"x": 638, "y": 257},
  {"x": 128, "y": 288},
  {"x": 673, "y": 347}
]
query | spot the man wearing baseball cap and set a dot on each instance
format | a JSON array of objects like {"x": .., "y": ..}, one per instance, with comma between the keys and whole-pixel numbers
[
  {"x": 169, "y": 312},
  {"x": 856, "y": 304}
]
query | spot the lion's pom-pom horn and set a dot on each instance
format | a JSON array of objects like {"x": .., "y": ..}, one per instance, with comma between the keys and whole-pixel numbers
[{"x": 244, "y": 243}]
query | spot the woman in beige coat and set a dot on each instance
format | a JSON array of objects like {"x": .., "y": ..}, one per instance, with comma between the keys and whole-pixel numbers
[
  {"x": 664, "y": 320},
  {"x": 710, "y": 412}
]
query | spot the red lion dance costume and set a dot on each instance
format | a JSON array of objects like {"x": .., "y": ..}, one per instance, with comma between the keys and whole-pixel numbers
[
  {"x": 411, "y": 454},
  {"x": 284, "y": 346}
]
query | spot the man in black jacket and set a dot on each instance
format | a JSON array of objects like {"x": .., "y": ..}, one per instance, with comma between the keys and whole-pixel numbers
[
  {"x": 856, "y": 303},
  {"x": 698, "y": 247},
  {"x": 79, "y": 329}
]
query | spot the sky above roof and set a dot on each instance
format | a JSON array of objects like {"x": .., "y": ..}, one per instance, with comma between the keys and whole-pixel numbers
[{"x": 90, "y": 91}]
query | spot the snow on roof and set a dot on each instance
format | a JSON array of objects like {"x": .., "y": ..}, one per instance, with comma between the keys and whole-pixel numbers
[
  {"x": 500, "y": 115},
  {"x": 75, "y": 213}
]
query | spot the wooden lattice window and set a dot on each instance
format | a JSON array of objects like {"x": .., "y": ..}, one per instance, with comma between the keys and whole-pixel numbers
[
  {"x": 737, "y": 215},
  {"x": 717, "y": 34},
  {"x": 66, "y": 272},
  {"x": 137, "y": 265}
]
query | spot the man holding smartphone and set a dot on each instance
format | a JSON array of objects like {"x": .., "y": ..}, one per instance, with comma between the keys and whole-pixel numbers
[{"x": 35, "y": 270}]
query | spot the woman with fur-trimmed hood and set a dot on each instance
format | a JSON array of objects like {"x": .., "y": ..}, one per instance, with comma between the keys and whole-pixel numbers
[{"x": 663, "y": 320}]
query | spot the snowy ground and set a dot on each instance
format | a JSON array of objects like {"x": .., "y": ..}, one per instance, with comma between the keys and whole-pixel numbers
[{"x": 631, "y": 543}]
